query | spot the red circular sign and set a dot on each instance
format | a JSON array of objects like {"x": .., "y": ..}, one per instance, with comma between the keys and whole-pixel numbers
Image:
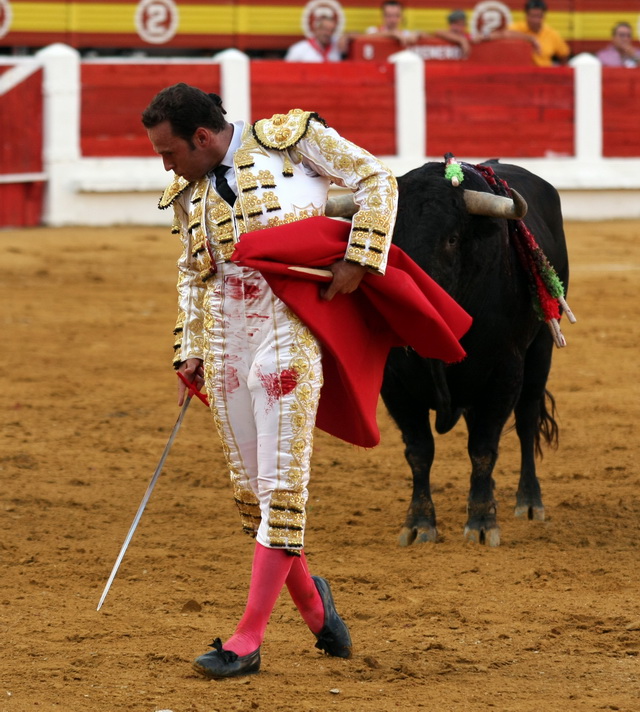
[
  {"x": 489, "y": 17},
  {"x": 5, "y": 17},
  {"x": 157, "y": 20}
]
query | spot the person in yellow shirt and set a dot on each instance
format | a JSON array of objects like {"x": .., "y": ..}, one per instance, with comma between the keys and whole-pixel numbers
[{"x": 548, "y": 46}]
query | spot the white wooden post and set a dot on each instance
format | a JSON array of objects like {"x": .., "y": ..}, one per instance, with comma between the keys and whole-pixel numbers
[
  {"x": 411, "y": 106},
  {"x": 61, "y": 151},
  {"x": 236, "y": 84},
  {"x": 588, "y": 107}
]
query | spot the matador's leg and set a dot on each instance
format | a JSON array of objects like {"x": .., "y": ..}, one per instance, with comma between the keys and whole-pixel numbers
[
  {"x": 226, "y": 367},
  {"x": 285, "y": 382}
]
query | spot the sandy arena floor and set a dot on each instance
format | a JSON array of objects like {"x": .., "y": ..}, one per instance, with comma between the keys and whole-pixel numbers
[{"x": 548, "y": 621}]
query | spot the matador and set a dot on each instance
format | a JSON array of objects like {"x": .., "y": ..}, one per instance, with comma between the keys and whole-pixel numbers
[{"x": 259, "y": 363}]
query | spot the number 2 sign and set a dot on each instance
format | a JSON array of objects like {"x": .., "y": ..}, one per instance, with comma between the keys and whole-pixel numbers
[
  {"x": 488, "y": 17},
  {"x": 156, "y": 20}
]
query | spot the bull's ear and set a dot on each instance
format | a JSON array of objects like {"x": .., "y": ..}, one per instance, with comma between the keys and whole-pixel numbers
[
  {"x": 495, "y": 206},
  {"x": 342, "y": 206}
]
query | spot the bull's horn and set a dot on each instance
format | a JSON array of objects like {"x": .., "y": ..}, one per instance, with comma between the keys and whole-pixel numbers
[
  {"x": 495, "y": 206},
  {"x": 342, "y": 206}
]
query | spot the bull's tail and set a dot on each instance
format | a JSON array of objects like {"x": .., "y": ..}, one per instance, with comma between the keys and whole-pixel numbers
[{"x": 547, "y": 426}]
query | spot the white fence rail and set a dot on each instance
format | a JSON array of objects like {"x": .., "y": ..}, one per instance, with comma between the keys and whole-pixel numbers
[{"x": 107, "y": 191}]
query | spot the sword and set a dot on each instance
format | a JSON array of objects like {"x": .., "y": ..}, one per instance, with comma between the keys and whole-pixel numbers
[{"x": 192, "y": 391}]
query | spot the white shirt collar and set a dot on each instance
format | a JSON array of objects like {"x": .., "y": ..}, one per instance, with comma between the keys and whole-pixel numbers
[{"x": 236, "y": 140}]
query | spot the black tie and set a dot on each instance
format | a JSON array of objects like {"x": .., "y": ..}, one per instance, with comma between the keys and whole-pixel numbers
[{"x": 222, "y": 186}]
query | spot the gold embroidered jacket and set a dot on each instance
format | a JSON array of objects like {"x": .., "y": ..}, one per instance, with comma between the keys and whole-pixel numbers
[{"x": 283, "y": 169}]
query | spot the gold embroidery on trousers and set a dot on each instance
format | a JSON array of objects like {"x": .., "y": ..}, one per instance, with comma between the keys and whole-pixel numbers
[
  {"x": 286, "y": 519},
  {"x": 287, "y": 507}
]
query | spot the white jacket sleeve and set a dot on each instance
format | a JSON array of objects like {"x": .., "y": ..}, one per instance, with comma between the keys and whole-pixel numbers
[
  {"x": 189, "y": 325},
  {"x": 375, "y": 191}
]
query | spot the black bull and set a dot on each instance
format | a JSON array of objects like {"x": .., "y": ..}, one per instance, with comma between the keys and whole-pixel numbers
[{"x": 508, "y": 348}]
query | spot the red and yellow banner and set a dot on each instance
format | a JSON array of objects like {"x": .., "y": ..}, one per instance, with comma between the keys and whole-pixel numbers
[{"x": 205, "y": 26}]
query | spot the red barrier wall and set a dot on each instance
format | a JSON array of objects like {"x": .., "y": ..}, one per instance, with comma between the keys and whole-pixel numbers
[
  {"x": 511, "y": 111},
  {"x": 21, "y": 151},
  {"x": 620, "y": 112},
  {"x": 115, "y": 95},
  {"x": 355, "y": 98},
  {"x": 472, "y": 111}
]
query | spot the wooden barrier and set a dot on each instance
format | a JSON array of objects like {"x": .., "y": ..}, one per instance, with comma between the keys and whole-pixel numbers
[
  {"x": 513, "y": 111},
  {"x": 620, "y": 111},
  {"x": 114, "y": 96},
  {"x": 21, "y": 177},
  {"x": 97, "y": 161},
  {"x": 356, "y": 98},
  {"x": 472, "y": 110}
]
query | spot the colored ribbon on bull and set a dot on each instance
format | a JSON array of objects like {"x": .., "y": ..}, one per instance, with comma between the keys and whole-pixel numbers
[{"x": 546, "y": 288}]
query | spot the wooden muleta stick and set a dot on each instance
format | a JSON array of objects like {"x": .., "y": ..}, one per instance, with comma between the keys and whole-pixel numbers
[{"x": 312, "y": 270}]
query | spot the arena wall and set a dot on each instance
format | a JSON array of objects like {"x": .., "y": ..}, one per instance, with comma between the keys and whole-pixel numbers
[{"x": 88, "y": 161}]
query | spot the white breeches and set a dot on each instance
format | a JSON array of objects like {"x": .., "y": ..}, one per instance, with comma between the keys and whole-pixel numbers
[{"x": 263, "y": 374}]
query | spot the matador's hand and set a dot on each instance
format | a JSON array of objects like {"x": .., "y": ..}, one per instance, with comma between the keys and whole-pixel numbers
[
  {"x": 193, "y": 371},
  {"x": 346, "y": 279}
]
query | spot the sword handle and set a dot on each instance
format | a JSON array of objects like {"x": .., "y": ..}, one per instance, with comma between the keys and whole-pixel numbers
[{"x": 192, "y": 389}]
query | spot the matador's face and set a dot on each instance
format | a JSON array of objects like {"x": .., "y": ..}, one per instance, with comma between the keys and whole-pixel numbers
[{"x": 190, "y": 159}]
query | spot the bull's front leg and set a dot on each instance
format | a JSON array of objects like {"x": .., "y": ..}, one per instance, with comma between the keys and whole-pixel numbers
[
  {"x": 420, "y": 523},
  {"x": 482, "y": 522},
  {"x": 406, "y": 399}
]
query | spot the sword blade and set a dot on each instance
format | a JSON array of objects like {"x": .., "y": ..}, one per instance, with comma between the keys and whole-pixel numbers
[{"x": 145, "y": 499}]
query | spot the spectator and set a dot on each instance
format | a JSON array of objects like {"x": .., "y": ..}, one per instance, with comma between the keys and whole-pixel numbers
[
  {"x": 457, "y": 32},
  {"x": 548, "y": 46},
  {"x": 392, "y": 25},
  {"x": 323, "y": 44},
  {"x": 621, "y": 52}
]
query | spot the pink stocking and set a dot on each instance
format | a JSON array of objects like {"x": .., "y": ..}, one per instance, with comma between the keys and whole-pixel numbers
[
  {"x": 305, "y": 594},
  {"x": 268, "y": 573}
]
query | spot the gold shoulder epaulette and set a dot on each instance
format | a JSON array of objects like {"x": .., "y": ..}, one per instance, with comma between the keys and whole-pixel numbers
[
  {"x": 282, "y": 131},
  {"x": 172, "y": 191}
]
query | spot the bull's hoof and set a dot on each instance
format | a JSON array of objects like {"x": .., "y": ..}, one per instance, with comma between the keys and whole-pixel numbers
[
  {"x": 525, "y": 511},
  {"x": 422, "y": 535},
  {"x": 488, "y": 537}
]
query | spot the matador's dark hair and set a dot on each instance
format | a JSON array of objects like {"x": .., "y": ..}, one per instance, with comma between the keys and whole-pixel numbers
[{"x": 186, "y": 108}]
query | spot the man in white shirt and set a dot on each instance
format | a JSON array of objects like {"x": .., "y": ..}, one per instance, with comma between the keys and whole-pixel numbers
[{"x": 323, "y": 44}]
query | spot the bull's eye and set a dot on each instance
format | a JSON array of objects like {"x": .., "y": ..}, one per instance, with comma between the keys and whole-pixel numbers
[{"x": 452, "y": 241}]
